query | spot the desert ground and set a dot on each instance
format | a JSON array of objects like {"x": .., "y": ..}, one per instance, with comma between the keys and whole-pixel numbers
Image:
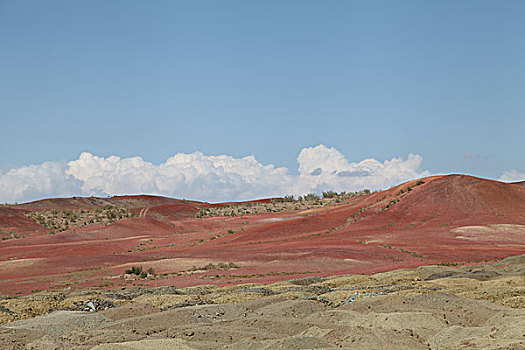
[
  {"x": 430, "y": 307},
  {"x": 432, "y": 263}
]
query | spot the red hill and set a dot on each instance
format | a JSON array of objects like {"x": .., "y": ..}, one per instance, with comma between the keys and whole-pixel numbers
[
  {"x": 454, "y": 198},
  {"x": 452, "y": 219}
]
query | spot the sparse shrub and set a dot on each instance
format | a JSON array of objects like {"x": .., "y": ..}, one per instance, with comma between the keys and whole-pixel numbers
[
  {"x": 329, "y": 194},
  {"x": 391, "y": 203},
  {"x": 286, "y": 203},
  {"x": 288, "y": 198},
  {"x": 210, "y": 266},
  {"x": 311, "y": 197},
  {"x": 62, "y": 220},
  {"x": 138, "y": 271},
  {"x": 419, "y": 182}
]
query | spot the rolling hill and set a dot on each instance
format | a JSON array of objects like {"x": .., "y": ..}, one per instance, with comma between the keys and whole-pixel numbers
[{"x": 82, "y": 242}]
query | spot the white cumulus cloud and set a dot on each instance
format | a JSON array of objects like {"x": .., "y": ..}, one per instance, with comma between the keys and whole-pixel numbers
[
  {"x": 26, "y": 183},
  {"x": 203, "y": 177},
  {"x": 322, "y": 168},
  {"x": 512, "y": 175},
  {"x": 192, "y": 175}
]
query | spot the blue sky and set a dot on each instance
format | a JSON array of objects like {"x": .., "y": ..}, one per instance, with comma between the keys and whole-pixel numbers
[{"x": 444, "y": 80}]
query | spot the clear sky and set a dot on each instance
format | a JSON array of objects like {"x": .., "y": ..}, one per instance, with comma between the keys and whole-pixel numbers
[{"x": 443, "y": 80}]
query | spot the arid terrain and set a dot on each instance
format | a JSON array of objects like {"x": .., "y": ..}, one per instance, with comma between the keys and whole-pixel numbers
[{"x": 432, "y": 263}]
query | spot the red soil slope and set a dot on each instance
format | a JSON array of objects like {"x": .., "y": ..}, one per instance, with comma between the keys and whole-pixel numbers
[
  {"x": 451, "y": 219},
  {"x": 14, "y": 224}
]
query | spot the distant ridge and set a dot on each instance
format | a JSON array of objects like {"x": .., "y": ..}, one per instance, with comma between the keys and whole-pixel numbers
[{"x": 130, "y": 201}]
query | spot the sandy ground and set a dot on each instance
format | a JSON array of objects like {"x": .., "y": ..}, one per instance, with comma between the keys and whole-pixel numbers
[{"x": 431, "y": 307}]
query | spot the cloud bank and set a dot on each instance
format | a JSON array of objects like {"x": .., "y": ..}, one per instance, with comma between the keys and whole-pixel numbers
[{"x": 203, "y": 177}]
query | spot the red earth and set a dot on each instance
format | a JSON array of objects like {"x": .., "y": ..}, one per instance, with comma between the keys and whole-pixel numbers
[{"x": 453, "y": 219}]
